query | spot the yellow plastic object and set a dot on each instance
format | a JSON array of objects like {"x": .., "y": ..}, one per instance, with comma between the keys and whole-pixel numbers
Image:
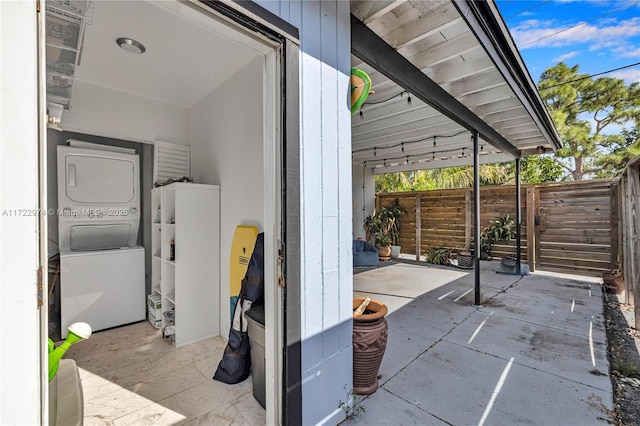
[{"x": 244, "y": 240}]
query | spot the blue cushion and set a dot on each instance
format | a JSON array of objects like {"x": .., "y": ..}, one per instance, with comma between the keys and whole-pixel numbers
[{"x": 364, "y": 254}]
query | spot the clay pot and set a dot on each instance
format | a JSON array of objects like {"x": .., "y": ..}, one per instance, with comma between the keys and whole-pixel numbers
[
  {"x": 369, "y": 345},
  {"x": 384, "y": 252},
  {"x": 613, "y": 284}
]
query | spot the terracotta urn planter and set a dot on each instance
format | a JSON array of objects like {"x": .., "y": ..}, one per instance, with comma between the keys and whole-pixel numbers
[
  {"x": 369, "y": 345},
  {"x": 613, "y": 283}
]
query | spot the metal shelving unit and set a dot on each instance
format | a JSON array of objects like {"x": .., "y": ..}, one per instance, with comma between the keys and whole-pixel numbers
[{"x": 65, "y": 23}]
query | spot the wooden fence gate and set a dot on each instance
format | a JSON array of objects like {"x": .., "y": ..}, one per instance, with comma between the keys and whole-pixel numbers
[
  {"x": 630, "y": 227},
  {"x": 568, "y": 227}
]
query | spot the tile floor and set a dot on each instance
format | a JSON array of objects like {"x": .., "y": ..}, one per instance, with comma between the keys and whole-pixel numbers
[{"x": 131, "y": 376}]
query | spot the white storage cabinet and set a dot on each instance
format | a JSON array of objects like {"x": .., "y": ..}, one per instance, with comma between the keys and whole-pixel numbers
[{"x": 189, "y": 215}]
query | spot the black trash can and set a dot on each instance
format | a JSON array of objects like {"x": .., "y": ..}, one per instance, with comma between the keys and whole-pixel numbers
[{"x": 255, "y": 328}]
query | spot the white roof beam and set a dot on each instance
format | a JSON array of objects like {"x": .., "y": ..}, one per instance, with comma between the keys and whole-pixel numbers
[
  {"x": 450, "y": 72},
  {"x": 404, "y": 118},
  {"x": 444, "y": 51},
  {"x": 369, "y": 11},
  {"x": 421, "y": 28}
]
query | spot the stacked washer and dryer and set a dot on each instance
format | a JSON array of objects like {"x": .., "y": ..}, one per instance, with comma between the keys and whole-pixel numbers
[{"x": 102, "y": 268}]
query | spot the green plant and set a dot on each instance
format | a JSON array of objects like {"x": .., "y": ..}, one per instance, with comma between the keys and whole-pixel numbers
[
  {"x": 438, "y": 255},
  {"x": 353, "y": 406},
  {"x": 383, "y": 239},
  {"x": 383, "y": 225},
  {"x": 627, "y": 370},
  {"x": 394, "y": 212},
  {"x": 498, "y": 230},
  {"x": 372, "y": 225}
]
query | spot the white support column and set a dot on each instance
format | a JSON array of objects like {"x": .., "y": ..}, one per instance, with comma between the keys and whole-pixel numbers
[{"x": 20, "y": 390}]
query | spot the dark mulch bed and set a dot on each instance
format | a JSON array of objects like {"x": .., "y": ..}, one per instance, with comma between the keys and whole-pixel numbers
[{"x": 624, "y": 356}]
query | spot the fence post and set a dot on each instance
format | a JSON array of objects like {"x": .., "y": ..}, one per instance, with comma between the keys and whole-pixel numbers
[
  {"x": 615, "y": 213},
  {"x": 537, "y": 237},
  {"x": 532, "y": 241},
  {"x": 418, "y": 225},
  {"x": 468, "y": 219}
]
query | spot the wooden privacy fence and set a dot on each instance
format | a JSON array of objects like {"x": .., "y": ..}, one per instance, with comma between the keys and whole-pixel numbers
[
  {"x": 567, "y": 227},
  {"x": 629, "y": 231}
]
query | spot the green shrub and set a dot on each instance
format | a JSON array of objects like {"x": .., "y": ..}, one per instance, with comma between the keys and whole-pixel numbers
[{"x": 438, "y": 255}]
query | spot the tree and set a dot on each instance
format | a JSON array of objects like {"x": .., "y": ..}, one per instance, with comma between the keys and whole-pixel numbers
[
  {"x": 536, "y": 169},
  {"x": 533, "y": 169},
  {"x": 447, "y": 178},
  {"x": 573, "y": 99},
  {"x": 622, "y": 149}
]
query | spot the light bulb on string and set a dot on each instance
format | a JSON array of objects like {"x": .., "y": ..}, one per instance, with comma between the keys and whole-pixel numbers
[
  {"x": 403, "y": 147},
  {"x": 409, "y": 100},
  {"x": 361, "y": 115},
  {"x": 434, "y": 141}
]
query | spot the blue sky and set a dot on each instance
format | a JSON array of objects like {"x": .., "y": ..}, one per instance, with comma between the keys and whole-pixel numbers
[{"x": 597, "y": 35}]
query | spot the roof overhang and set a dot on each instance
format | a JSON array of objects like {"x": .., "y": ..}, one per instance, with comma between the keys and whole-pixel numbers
[{"x": 458, "y": 64}]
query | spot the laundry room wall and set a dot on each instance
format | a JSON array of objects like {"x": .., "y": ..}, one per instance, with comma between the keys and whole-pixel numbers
[
  {"x": 226, "y": 130},
  {"x": 145, "y": 151},
  {"x": 326, "y": 291},
  {"x": 105, "y": 112}
]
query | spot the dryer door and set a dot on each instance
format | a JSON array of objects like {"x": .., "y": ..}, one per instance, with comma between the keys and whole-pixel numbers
[{"x": 92, "y": 179}]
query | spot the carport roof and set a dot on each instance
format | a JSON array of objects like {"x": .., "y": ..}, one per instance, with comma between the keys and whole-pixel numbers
[{"x": 441, "y": 69}]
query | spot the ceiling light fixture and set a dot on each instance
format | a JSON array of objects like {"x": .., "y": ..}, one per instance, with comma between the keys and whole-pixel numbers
[{"x": 130, "y": 45}]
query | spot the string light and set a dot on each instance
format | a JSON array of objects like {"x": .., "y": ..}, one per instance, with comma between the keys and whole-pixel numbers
[
  {"x": 409, "y": 100},
  {"x": 403, "y": 147},
  {"x": 361, "y": 115},
  {"x": 375, "y": 152},
  {"x": 434, "y": 141}
]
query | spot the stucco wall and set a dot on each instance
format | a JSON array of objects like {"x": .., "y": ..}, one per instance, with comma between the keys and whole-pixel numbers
[
  {"x": 326, "y": 206},
  {"x": 120, "y": 115},
  {"x": 364, "y": 197},
  {"x": 226, "y": 150}
]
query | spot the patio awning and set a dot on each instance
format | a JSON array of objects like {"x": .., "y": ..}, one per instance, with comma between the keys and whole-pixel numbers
[{"x": 442, "y": 69}]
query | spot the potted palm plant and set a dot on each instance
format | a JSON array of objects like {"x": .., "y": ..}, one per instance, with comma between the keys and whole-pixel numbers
[
  {"x": 498, "y": 230},
  {"x": 379, "y": 231},
  {"x": 394, "y": 213}
]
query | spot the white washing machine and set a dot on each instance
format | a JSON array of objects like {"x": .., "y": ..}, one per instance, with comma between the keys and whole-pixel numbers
[{"x": 101, "y": 267}]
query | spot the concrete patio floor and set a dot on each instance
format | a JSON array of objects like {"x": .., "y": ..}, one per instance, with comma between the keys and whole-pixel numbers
[{"x": 534, "y": 353}]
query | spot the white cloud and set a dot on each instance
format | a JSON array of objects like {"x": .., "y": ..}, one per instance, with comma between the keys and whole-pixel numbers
[
  {"x": 533, "y": 33},
  {"x": 628, "y": 51},
  {"x": 564, "y": 57},
  {"x": 629, "y": 75}
]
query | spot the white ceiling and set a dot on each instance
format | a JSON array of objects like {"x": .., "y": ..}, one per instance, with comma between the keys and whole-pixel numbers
[
  {"x": 392, "y": 134},
  {"x": 183, "y": 62}
]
